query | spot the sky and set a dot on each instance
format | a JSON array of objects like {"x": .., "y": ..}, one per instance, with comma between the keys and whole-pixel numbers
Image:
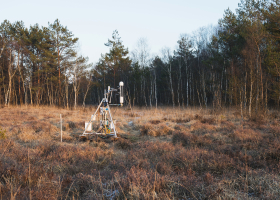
[{"x": 161, "y": 22}]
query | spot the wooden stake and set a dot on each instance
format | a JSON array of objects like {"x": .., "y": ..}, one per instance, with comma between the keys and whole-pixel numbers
[{"x": 61, "y": 126}]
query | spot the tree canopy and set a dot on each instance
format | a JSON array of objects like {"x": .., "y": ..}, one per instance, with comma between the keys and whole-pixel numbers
[{"x": 235, "y": 63}]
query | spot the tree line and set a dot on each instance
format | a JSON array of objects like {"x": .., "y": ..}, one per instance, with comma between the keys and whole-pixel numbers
[
  {"x": 40, "y": 65},
  {"x": 235, "y": 63}
]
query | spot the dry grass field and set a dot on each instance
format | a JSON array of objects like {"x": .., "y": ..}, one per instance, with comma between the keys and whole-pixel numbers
[{"x": 161, "y": 154}]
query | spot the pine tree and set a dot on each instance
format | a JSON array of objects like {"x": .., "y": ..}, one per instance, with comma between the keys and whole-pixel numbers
[
  {"x": 117, "y": 60},
  {"x": 64, "y": 44}
]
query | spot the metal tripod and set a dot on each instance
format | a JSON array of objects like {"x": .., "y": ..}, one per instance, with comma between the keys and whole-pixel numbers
[{"x": 107, "y": 126}]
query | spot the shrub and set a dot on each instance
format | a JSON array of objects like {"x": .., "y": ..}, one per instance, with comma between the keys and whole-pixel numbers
[
  {"x": 164, "y": 130},
  {"x": 197, "y": 117},
  {"x": 258, "y": 119},
  {"x": 275, "y": 130},
  {"x": 182, "y": 120},
  {"x": 210, "y": 120},
  {"x": 274, "y": 115},
  {"x": 148, "y": 130},
  {"x": 246, "y": 135},
  {"x": 163, "y": 168},
  {"x": 2, "y": 134},
  {"x": 71, "y": 125},
  {"x": 153, "y": 130},
  {"x": 123, "y": 144},
  {"x": 132, "y": 114},
  {"x": 155, "y": 121},
  {"x": 181, "y": 137}
]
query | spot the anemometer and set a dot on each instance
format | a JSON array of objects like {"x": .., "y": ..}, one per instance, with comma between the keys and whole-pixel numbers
[{"x": 107, "y": 125}]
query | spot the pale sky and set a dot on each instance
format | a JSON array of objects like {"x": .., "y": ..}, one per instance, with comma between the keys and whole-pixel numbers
[{"x": 161, "y": 22}]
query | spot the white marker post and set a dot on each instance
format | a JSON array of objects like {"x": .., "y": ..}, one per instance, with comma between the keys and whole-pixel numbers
[{"x": 61, "y": 126}]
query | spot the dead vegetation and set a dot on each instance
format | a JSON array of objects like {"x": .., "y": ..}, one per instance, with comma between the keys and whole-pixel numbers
[{"x": 162, "y": 154}]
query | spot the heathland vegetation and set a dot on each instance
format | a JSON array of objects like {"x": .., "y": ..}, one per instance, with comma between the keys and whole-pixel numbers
[
  {"x": 161, "y": 154},
  {"x": 201, "y": 122}
]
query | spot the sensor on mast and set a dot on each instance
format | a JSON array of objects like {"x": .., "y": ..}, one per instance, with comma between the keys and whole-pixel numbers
[
  {"x": 121, "y": 92},
  {"x": 107, "y": 125}
]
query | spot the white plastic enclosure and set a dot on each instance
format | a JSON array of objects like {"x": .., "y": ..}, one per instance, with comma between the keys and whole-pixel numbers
[{"x": 88, "y": 128}]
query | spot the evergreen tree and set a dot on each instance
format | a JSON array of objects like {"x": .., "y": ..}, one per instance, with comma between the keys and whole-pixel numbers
[
  {"x": 64, "y": 43},
  {"x": 116, "y": 60},
  {"x": 114, "y": 66}
]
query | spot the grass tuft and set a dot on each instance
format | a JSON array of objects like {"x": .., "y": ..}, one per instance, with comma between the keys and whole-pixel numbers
[{"x": 163, "y": 153}]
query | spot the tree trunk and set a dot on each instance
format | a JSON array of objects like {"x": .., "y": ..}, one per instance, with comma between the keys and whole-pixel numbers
[
  {"x": 145, "y": 99},
  {"x": 170, "y": 82},
  {"x": 30, "y": 90},
  {"x": 241, "y": 106},
  {"x": 156, "y": 88},
  {"x": 66, "y": 92},
  {"x": 251, "y": 93},
  {"x": 151, "y": 89},
  {"x": 88, "y": 86},
  {"x": 59, "y": 82},
  {"x": 266, "y": 97},
  {"x": 179, "y": 81},
  {"x": 245, "y": 93},
  {"x": 11, "y": 75},
  {"x": 257, "y": 96},
  {"x": 75, "y": 86}
]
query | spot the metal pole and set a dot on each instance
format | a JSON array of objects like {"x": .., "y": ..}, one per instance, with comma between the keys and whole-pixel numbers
[
  {"x": 111, "y": 119},
  {"x": 93, "y": 116}
]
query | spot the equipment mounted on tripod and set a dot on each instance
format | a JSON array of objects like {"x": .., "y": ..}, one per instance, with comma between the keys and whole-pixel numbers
[{"x": 107, "y": 125}]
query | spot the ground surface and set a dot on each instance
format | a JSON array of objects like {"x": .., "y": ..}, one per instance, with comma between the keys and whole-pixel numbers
[{"x": 162, "y": 154}]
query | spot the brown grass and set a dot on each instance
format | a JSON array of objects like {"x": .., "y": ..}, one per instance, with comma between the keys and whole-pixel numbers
[{"x": 161, "y": 154}]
